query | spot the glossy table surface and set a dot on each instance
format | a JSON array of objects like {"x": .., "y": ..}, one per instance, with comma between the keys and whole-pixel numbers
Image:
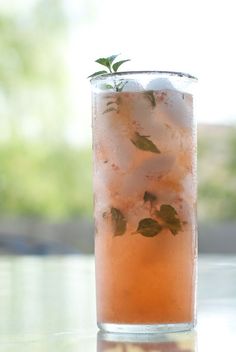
[{"x": 48, "y": 304}]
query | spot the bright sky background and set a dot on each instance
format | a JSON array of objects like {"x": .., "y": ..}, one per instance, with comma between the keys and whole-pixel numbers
[
  {"x": 197, "y": 37},
  {"x": 194, "y": 36}
]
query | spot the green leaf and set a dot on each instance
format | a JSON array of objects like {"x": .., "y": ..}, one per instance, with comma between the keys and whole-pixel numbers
[
  {"x": 98, "y": 73},
  {"x": 103, "y": 61},
  {"x": 110, "y": 103},
  {"x": 166, "y": 212},
  {"x": 169, "y": 215},
  {"x": 112, "y": 58},
  {"x": 151, "y": 97},
  {"x": 106, "y": 86},
  {"x": 120, "y": 85},
  {"x": 109, "y": 86},
  {"x": 106, "y": 61},
  {"x": 143, "y": 143},
  {"x": 149, "y": 227},
  {"x": 109, "y": 110},
  {"x": 118, "y": 64},
  {"x": 149, "y": 197},
  {"x": 119, "y": 222}
]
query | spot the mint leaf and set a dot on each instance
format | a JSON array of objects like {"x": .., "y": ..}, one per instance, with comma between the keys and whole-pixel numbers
[
  {"x": 118, "y": 64},
  {"x": 110, "y": 109},
  {"x": 143, "y": 143},
  {"x": 149, "y": 197},
  {"x": 98, "y": 73},
  {"x": 119, "y": 222},
  {"x": 111, "y": 102},
  {"x": 107, "y": 61},
  {"x": 167, "y": 211},
  {"x": 103, "y": 61},
  {"x": 151, "y": 97},
  {"x": 149, "y": 227},
  {"x": 112, "y": 58},
  {"x": 108, "y": 86},
  {"x": 169, "y": 216}
]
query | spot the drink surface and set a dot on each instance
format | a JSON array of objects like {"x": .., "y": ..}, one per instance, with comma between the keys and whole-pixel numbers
[{"x": 145, "y": 198}]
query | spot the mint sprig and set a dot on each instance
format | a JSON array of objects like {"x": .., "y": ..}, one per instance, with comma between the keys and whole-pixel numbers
[
  {"x": 111, "y": 67},
  {"x": 167, "y": 217},
  {"x": 108, "y": 62}
]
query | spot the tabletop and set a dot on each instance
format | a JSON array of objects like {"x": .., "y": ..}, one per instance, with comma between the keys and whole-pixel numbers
[{"x": 48, "y": 303}]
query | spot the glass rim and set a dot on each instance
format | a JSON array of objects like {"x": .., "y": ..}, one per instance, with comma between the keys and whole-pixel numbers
[{"x": 124, "y": 73}]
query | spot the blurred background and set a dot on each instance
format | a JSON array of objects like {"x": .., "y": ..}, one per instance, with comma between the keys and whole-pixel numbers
[{"x": 48, "y": 48}]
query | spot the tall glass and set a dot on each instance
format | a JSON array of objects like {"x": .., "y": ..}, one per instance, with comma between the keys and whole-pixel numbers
[{"x": 144, "y": 143}]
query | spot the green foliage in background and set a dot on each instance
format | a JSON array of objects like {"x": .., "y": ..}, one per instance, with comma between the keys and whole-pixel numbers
[
  {"x": 33, "y": 74},
  {"x": 216, "y": 173},
  {"x": 52, "y": 182}
]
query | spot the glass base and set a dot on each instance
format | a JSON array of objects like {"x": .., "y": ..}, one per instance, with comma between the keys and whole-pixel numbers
[{"x": 145, "y": 328}]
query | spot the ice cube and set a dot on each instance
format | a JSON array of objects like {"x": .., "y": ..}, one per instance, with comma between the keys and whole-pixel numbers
[
  {"x": 157, "y": 166},
  {"x": 155, "y": 124},
  {"x": 189, "y": 188},
  {"x": 104, "y": 181},
  {"x": 146, "y": 174},
  {"x": 141, "y": 109},
  {"x": 179, "y": 108},
  {"x": 131, "y": 85},
  {"x": 102, "y": 85},
  {"x": 159, "y": 84},
  {"x": 120, "y": 152}
]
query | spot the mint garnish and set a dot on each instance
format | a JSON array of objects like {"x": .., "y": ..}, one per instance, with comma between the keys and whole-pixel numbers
[
  {"x": 110, "y": 109},
  {"x": 111, "y": 67},
  {"x": 149, "y": 227},
  {"x": 108, "y": 63},
  {"x": 149, "y": 197},
  {"x": 143, "y": 143},
  {"x": 167, "y": 218},
  {"x": 151, "y": 97},
  {"x": 168, "y": 215},
  {"x": 113, "y": 105},
  {"x": 119, "y": 222}
]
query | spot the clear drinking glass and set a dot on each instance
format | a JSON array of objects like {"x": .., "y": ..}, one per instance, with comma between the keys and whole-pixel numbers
[{"x": 144, "y": 145}]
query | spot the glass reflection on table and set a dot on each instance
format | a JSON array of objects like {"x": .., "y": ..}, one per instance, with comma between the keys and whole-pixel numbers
[{"x": 175, "y": 342}]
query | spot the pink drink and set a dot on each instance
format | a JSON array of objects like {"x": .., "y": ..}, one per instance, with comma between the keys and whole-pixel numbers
[{"x": 145, "y": 201}]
